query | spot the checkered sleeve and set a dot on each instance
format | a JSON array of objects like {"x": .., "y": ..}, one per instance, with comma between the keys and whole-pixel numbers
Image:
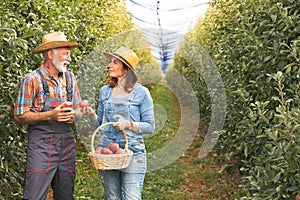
[{"x": 25, "y": 96}]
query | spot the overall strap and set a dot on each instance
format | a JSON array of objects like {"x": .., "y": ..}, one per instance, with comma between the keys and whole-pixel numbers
[
  {"x": 69, "y": 87},
  {"x": 69, "y": 83},
  {"x": 44, "y": 83}
]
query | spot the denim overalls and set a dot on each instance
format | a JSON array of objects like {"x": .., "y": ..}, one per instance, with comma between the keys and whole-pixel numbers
[
  {"x": 50, "y": 156},
  {"x": 125, "y": 183}
]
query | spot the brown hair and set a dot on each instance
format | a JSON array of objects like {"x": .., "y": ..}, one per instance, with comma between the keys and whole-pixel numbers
[{"x": 131, "y": 79}]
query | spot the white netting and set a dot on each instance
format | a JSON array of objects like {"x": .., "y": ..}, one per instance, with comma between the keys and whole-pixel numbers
[{"x": 168, "y": 19}]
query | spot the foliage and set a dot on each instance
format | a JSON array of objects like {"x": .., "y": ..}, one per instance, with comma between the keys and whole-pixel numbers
[
  {"x": 275, "y": 169},
  {"x": 255, "y": 45},
  {"x": 23, "y": 23}
]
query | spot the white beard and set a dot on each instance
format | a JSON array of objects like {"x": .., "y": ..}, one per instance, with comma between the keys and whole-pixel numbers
[{"x": 59, "y": 65}]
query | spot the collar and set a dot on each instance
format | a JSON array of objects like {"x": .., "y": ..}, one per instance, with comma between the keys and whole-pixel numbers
[
  {"x": 60, "y": 74},
  {"x": 46, "y": 71}
]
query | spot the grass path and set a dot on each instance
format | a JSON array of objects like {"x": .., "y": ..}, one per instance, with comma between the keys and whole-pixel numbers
[{"x": 191, "y": 177}]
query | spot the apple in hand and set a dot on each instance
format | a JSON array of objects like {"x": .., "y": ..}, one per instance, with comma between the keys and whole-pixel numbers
[
  {"x": 68, "y": 104},
  {"x": 55, "y": 104},
  {"x": 84, "y": 103}
]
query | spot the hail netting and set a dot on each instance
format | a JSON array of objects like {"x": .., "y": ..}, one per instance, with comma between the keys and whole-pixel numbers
[{"x": 164, "y": 23}]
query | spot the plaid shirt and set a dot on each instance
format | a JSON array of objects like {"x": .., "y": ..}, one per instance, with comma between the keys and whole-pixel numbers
[{"x": 32, "y": 96}]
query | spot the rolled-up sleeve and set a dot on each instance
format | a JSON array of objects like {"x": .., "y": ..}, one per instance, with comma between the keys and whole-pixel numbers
[{"x": 24, "y": 97}]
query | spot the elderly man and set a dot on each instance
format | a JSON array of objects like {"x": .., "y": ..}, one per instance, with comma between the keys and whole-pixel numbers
[{"x": 47, "y": 101}]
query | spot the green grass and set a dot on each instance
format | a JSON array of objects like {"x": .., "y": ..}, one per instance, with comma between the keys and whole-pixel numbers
[
  {"x": 165, "y": 183},
  {"x": 88, "y": 182}
]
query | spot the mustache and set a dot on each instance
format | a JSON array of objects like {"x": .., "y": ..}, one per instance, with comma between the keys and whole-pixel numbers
[{"x": 66, "y": 63}]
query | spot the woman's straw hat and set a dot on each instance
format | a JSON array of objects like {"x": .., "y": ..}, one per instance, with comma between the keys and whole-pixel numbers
[
  {"x": 127, "y": 56},
  {"x": 54, "y": 40}
]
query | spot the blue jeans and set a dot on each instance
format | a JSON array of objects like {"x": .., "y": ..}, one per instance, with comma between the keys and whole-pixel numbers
[{"x": 125, "y": 184}]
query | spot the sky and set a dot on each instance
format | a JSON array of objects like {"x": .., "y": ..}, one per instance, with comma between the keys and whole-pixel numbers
[{"x": 164, "y": 23}]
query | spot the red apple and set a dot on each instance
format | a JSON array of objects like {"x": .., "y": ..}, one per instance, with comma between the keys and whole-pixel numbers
[
  {"x": 55, "y": 104},
  {"x": 68, "y": 104},
  {"x": 84, "y": 103},
  {"x": 113, "y": 146},
  {"x": 127, "y": 151},
  {"x": 98, "y": 150},
  {"x": 106, "y": 151},
  {"x": 120, "y": 151}
]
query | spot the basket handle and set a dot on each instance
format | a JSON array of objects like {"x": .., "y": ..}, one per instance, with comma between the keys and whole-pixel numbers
[{"x": 101, "y": 126}]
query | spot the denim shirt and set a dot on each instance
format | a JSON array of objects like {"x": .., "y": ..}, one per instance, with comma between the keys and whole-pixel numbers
[{"x": 138, "y": 107}]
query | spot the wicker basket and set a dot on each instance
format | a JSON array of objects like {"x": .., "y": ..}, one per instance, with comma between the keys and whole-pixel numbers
[{"x": 109, "y": 161}]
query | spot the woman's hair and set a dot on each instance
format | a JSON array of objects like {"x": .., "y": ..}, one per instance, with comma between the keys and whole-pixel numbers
[{"x": 131, "y": 79}]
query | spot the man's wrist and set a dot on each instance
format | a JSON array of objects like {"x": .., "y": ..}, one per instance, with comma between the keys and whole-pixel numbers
[{"x": 46, "y": 115}]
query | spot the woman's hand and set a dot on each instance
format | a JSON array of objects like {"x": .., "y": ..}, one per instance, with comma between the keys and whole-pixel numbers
[
  {"x": 85, "y": 108},
  {"x": 121, "y": 124}
]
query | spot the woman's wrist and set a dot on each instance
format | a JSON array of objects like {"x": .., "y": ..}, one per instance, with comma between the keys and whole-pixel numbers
[
  {"x": 133, "y": 126},
  {"x": 130, "y": 125},
  {"x": 93, "y": 116}
]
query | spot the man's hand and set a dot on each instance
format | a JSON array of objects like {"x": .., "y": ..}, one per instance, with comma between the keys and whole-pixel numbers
[
  {"x": 63, "y": 114},
  {"x": 59, "y": 114}
]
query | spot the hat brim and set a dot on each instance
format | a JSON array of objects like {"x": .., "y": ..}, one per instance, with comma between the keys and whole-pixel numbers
[
  {"x": 53, "y": 45},
  {"x": 110, "y": 55}
]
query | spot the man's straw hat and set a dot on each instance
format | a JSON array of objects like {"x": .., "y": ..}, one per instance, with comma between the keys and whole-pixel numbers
[
  {"x": 54, "y": 40},
  {"x": 126, "y": 55}
]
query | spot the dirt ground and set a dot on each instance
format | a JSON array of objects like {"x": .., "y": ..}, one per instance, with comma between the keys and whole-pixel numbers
[
  {"x": 203, "y": 179},
  {"x": 50, "y": 194}
]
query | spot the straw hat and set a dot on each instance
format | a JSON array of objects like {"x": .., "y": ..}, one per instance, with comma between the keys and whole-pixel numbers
[
  {"x": 54, "y": 40},
  {"x": 126, "y": 55}
]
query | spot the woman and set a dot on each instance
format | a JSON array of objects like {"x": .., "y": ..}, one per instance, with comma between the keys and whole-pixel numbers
[{"x": 129, "y": 105}]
